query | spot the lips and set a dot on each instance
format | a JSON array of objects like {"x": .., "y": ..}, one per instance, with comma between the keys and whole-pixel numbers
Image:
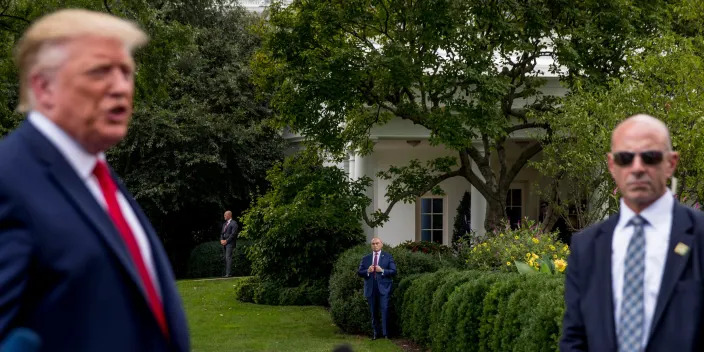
[{"x": 118, "y": 114}]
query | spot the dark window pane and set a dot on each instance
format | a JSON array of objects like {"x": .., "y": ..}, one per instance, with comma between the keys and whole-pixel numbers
[
  {"x": 437, "y": 236},
  {"x": 425, "y": 205},
  {"x": 437, "y": 222},
  {"x": 425, "y": 221},
  {"x": 516, "y": 197},
  {"x": 425, "y": 235},
  {"x": 437, "y": 205}
]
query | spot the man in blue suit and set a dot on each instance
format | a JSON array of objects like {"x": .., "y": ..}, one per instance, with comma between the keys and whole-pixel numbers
[
  {"x": 634, "y": 281},
  {"x": 80, "y": 264},
  {"x": 377, "y": 269}
]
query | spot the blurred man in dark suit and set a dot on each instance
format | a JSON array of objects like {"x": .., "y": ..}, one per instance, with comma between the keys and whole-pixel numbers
[{"x": 80, "y": 264}]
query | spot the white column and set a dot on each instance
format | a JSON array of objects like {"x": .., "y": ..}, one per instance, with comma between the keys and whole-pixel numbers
[
  {"x": 478, "y": 208},
  {"x": 365, "y": 166}
]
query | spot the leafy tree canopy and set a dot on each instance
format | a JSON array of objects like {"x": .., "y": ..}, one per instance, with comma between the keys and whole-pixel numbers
[{"x": 464, "y": 69}]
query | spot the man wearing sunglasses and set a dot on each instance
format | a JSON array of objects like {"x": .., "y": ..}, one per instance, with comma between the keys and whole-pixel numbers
[{"x": 634, "y": 281}]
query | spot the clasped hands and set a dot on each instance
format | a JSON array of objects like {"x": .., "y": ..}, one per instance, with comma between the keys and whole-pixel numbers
[
  {"x": 223, "y": 242},
  {"x": 372, "y": 269}
]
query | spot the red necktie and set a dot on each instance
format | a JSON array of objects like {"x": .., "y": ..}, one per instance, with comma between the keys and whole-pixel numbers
[
  {"x": 107, "y": 185},
  {"x": 376, "y": 261}
]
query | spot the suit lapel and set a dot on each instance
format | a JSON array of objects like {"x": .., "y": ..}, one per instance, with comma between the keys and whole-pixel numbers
[
  {"x": 602, "y": 272},
  {"x": 66, "y": 179},
  {"x": 682, "y": 232}
]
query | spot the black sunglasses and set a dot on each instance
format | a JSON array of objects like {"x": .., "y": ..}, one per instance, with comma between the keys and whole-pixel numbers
[{"x": 649, "y": 157}]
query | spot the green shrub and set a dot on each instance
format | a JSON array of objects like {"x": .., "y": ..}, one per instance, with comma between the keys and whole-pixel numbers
[
  {"x": 482, "y": 311},
  {"x": 309, "y": 216},
  {"x": 348, "y": 306},
  {"x": 426, "y": 247},
  {"x": 244, "y": 291},
  {"x": 445, "y": 287},
  {"x": 207, "y": 260},
  {"x": 493, "y": 309},
  {"x": 503, "y": 247},
  {"x": 539, "y": 305},
  {"x": 416, "y": 305}
]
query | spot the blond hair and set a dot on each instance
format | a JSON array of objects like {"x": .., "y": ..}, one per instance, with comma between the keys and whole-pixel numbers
[{"x": 39, "y": 48}]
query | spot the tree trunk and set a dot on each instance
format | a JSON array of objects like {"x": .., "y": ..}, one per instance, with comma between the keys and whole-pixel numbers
[{"x": 495, "y": 213}]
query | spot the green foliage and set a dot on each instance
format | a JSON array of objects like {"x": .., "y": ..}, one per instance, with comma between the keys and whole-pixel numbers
[
  {"x": 464, "y": 214},
  {"x": 417, "y": 301},
  {"x": 348, "y": 306},
  {"x": 426, "y": 247},
  {"x": 483, "y": 311},
  {"x": 300, "y": 227},
  {"x": 335, "y": 71},
  {"x": 207, "y": 260},
  {"x": 502, "y": 248},
  {"x": 198, "y": 143},
  {"x": 244, "y": 291}
]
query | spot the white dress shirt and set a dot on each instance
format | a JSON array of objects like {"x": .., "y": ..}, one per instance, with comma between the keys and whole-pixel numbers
[
  {"x": 83, "y": 163},
  {"x": 657, "y": 238}
]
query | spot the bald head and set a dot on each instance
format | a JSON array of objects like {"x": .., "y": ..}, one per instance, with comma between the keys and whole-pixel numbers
[
  {"x": 228, "y": 215},
  {"x": 641, "y": 160},
  {"x": 642, "y": 123}
]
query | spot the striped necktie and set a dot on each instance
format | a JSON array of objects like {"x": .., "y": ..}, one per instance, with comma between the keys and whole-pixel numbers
[{"x": 630, "y": 327}]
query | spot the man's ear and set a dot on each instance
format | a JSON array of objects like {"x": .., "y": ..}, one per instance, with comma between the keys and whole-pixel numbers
[{"x": 42, "y": 87}]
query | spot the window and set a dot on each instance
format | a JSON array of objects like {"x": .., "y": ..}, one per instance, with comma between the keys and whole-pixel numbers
[
  {"x": 432, "y": 220},
  {"x": 514, "y": 207}
]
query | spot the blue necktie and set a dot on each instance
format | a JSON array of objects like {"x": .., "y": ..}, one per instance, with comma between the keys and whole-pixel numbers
[{"x": 630, "y": 327}]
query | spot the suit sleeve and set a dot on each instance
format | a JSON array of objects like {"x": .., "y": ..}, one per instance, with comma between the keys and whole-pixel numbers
[
  {"x": 390, "y": 270},
  {"x": 574, "y": 335},
  {"x": 362, "y": 271},
  {"x": 15, "y": 256},
  {"x": 231, "y": 231}
]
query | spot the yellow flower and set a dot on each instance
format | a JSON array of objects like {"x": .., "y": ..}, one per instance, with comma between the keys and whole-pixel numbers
[
  {"x": 508, "y": 263},
  {"x": 565, "y": 248},
  {"x": 554, "y": 256},
  {"x": 528, "y": 256},
  {"x": 516, "y": 237},
  {"x": 560, "y": 264},
  {"x": 552, "y": 248},
  {"x": 501, "y": 235},
  {"x": 535, "y": 240},
  {"x": 535, "y": 256}
]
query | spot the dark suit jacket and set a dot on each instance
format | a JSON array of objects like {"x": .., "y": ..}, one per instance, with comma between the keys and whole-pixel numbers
[
  {"x": 229, "y": 232},
  {"x": 64, "y": 270},
  {"x": 677, "y": 325},
  {"x": 383, "y": 280}
]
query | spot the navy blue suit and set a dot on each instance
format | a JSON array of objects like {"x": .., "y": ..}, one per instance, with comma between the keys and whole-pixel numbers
[
  {"x": 65, "y": 272},
  {"x": 677, "y": 324},
  {"x": 377, "y": 288}
]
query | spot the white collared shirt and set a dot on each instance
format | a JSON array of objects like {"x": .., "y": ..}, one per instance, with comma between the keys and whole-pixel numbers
[
  {"x": 657, "y": 238},
  {"x": 83, "y": 163}
]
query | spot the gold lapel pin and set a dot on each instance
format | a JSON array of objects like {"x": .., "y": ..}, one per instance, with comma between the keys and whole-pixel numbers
[{"x": 681, "y": 249}]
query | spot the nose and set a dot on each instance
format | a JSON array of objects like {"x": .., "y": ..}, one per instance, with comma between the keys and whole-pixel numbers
[
  {"x": 637, "y": 167},
  {"x": 122, "y": 83}
]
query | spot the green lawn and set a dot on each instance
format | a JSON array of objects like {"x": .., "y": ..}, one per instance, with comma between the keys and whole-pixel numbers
[{"x": 218, "y": 322}]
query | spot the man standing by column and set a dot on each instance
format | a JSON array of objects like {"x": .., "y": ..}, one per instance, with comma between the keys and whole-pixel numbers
[
  {"x": 377, "y": 269},
  {"x": 228, "y": 240}
]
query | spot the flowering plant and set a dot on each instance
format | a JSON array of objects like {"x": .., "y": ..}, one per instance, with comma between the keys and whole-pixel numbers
[{"x": 503, "y": 248}]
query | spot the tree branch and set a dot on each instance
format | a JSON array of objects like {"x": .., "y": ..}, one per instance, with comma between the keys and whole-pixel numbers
[
  {"x": 526, "y": 155},
  {"x": 524, "y": 126},
  {"x": 417, "y": 192}
]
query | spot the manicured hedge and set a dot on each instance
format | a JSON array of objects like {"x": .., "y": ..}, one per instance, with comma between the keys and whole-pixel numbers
[
  {"x": 450, "y": 310},
  {"x": 207, "y": 260},
  {"x": 348, "y": 305},
  {"x": 482, "y": 311}
]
